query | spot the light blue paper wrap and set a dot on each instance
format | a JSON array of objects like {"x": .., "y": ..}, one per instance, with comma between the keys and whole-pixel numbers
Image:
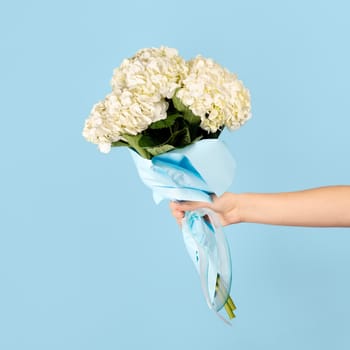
[{"x": 194, "y": 173}]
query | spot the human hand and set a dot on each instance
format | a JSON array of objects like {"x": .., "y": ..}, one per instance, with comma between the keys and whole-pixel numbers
[{"x": 226, "y": 207}]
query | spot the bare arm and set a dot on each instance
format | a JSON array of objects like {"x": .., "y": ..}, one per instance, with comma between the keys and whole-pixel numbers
[
  {"x": 325, "y": 206},
  {"x": 319, "y": 207}
]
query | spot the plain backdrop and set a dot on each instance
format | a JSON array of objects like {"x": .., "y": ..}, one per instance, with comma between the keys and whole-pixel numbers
[{"x": 87, "y": 260}]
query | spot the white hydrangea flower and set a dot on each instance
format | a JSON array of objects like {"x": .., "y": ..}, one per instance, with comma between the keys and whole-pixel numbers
[
  {"x": 215, "y": 95},
  {"x": 152, "y": 72},
  {"x": 140, "y": 87},
  {"x": 99, "y": 128},
  {"x": 132, "y": 114},
  {"x": 121, "y": 114}
]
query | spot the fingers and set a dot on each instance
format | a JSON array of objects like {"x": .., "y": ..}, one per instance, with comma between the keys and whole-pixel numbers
[
  {"x": 188, "y": 205},
  {"x": 177, "y": 212},
  {"x": 178, "y": 209}
]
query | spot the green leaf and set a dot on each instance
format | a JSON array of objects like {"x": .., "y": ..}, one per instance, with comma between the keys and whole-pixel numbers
[
  {"x": 150, "y": 141},
  {"x": 165, "y": 123},
  {"x": 156, "y": 141},
  {"x": 178, "y": 104},
  {"x": 180, "y": 138},
  {"x": 155, "y": 151},
  {"x": 133, "y": 141},
  {"x": 197, "y": 139},
  {"x": 119, "y": 144},
  {"x": 188, "y": 114},
  {"x": 191, "y": 118}
]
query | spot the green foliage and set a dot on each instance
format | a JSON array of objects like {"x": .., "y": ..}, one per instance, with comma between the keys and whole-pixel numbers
[
  {"x": 180, "y": 129},
  {"x": 178, "y": 104},
  {"x": 191, "y": 118},
  {"x": 119, "y": 144},
  {"x": 157, "y": 150},
  {"x": 165, "y": 123}
]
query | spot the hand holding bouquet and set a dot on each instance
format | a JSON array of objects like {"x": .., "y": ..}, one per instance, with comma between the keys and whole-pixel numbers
[{"x": 164, "y": 108}]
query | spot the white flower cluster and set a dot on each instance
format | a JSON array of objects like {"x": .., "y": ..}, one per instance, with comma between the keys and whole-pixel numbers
[
  {"x": 139, "y": 88},
  {"x": 143, "y": 83},
  {"x": 151, "y": 73},
  {"x": 215, "y": 95}
]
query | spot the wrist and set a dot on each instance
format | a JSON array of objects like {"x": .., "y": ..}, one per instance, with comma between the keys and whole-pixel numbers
[
  {"x": 236, "y": 203},
  {"x": 244, "y": 207},
  {"x": 241, "y": 212}
]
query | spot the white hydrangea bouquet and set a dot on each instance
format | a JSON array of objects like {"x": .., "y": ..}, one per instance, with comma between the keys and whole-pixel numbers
[{"x": 170, "y": 113}]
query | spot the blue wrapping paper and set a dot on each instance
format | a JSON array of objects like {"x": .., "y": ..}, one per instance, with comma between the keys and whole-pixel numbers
[{"x": 194, "y": 173}]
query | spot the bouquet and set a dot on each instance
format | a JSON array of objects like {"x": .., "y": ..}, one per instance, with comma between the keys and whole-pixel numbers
[{"x": 170, "y": 113}]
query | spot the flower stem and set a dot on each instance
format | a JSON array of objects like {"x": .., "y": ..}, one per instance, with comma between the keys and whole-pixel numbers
[{"x": 222, "y": 292}]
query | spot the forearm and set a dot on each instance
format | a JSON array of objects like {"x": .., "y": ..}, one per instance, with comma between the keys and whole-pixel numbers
[{"x": 325, "y": 206}]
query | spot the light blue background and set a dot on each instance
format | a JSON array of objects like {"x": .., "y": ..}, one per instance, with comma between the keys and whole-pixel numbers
[{"x": 87, "y": 260}]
